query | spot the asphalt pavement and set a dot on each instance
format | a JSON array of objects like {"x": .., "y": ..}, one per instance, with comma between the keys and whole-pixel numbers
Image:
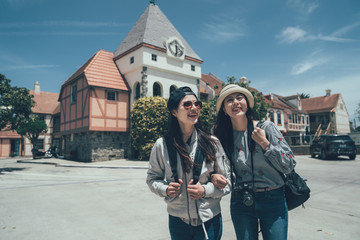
[{"x": 55, "y": 199}]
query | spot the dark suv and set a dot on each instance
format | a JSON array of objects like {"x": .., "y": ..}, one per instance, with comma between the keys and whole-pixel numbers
[{"x": 334, "y": 146}]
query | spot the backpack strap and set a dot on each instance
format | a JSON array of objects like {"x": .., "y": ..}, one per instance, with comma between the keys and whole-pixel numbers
[
  {"x": 198, "y": 162},
  {"x": 172, "y": 158}
]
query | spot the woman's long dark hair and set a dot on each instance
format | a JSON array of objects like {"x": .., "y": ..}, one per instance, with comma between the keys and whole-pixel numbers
[
  {"x": 223, "y": 129},
  {"x": 205, "y": 142}
]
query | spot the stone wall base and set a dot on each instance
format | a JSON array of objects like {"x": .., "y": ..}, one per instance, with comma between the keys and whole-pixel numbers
[{"x": 96, "y": 146}]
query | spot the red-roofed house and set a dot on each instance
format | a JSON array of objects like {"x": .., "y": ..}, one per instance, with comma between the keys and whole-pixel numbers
[
  {"x": 94, "y": 111},
  {"x": 289, "y": 116},
  {"x": 210, "y": 86},
  {"x": 47, "y": 109},
  {"x": 325, "y": 110},
  {"x": 9, "y": 143}
]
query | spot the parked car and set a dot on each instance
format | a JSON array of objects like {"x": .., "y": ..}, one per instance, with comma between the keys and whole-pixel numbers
[{"x": 333, "y": 146}]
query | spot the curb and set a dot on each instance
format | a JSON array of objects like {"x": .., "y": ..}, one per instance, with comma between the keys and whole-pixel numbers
[{"x": 83, "y": 166}]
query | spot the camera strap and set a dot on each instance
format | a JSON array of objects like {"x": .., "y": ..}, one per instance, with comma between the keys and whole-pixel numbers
[
  {"x": 197, "y": 166},
  {"x": 251, "y": 147}
]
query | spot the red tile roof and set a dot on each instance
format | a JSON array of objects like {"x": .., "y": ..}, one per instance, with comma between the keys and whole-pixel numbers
[
  {"x": 274, "y": 102},
  {"x": 6, "y": 133},
  {"x": 320, "y": 104},
  {"x": 212, "y": 80},
  {"x": 101, "y": 71},
  {"x": 45, "y": 102}
]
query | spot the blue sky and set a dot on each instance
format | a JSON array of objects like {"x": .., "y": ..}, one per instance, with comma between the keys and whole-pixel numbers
[{"x": 282, "y": 46}]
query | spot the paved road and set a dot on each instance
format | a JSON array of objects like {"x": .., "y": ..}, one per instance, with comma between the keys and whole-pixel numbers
[{"x": 110, "y": 200}]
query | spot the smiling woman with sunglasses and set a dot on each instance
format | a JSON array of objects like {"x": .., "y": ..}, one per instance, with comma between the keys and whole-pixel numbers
[{"x": 180, "y": 168}]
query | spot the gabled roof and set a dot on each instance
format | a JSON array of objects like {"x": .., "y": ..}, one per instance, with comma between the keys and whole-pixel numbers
[
  {"x": 7, "y": 133},
  {"x": 212, "y": 80},
  {"x": 101, "y": 71},
  {"x": 45, "y": 102},
  {"x": 320, "y": 104},
  {"x": 152, "y": 28},
  {"x": 280, "y": 102}
]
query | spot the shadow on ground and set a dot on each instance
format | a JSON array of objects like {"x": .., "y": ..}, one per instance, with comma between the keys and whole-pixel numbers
[{"x": 10, "y": 169}]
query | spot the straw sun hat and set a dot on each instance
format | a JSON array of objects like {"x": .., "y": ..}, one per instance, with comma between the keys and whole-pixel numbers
[{"x": 230, "y": 89}]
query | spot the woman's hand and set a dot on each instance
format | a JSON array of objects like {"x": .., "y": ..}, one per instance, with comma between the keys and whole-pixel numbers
[
  {"x": 219, "y": 180},
  {"x": 174, "y": 188},
  {"x": 196, "y": 191},
  {"x": 259, "y": 137}
]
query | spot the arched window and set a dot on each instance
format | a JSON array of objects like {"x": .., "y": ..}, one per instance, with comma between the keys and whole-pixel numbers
[
  {"x": 172, "y": 88},
  {"x": 156, "y": 90},
  {"x": 137, "y": 91}
]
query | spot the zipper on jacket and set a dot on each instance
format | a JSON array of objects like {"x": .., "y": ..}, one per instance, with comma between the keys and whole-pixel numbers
[{"x": 187, "y": 199}]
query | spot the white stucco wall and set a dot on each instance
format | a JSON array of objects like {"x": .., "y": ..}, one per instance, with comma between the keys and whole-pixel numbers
[
  {"x": 342, "y": 118},
  {"x": 166, "y": 71}
]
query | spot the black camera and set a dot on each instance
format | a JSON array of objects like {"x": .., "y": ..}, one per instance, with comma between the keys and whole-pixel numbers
[{"x": 245, "y": 193}]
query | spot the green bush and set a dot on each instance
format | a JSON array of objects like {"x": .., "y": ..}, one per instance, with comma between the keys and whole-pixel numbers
[
  {"x": 148, "y": 123},
  {"x": 149, "y": 119},
  {"x": 207, "y": 117}
]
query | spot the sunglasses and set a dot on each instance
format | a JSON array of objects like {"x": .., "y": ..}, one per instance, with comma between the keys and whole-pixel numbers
[{"x": 188, "y": 104}]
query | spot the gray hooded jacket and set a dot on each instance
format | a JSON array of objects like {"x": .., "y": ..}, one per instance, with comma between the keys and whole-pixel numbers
[{"x": 191, "y": 211}]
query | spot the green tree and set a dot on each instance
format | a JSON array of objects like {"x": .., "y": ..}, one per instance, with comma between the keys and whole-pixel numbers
[
  {"x": 32, "y": 128},
  {"x": 304, "y": 95},
  {"x": 15, "y": 104}
]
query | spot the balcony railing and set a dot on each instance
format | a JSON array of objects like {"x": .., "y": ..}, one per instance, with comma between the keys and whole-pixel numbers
[{"x": 296, "y": 127}]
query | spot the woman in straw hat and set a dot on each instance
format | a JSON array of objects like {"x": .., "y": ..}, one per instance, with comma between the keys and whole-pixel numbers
[
  {"x": 256, "y": 158},
  {"x": 180, "y": 168}
]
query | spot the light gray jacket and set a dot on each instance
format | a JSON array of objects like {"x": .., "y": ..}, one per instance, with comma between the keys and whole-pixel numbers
[{"x": 189, "y": 210}]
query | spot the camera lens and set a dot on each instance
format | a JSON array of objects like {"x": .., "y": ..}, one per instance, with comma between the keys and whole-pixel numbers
[{"x": 247, "y": 199}]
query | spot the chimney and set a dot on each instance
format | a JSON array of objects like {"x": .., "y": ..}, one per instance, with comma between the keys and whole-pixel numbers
[
  {"x": 37, "y": 88},
  {"x": 328, "y": 92}
]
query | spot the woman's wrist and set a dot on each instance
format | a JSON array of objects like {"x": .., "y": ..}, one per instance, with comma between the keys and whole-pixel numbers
[
  {"x": 265, "y": 146},
  {"x": 204, "y": 193}
]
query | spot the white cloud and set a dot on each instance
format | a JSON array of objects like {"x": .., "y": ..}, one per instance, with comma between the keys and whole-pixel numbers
[
  {"x": 304, "y": 6},
  {"x": 296, "y": 34},
  {"x": 292, "y": 34},
  {"x": 346, "y": 29},
  {"x": 307, "y": 65},
  {"x": 223, "y": 30}
]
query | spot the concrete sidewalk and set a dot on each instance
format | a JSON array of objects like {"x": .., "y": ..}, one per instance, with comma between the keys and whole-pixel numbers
[
  {"x": 58, "y": 162},
  {"x": 99, "y": 200}
]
